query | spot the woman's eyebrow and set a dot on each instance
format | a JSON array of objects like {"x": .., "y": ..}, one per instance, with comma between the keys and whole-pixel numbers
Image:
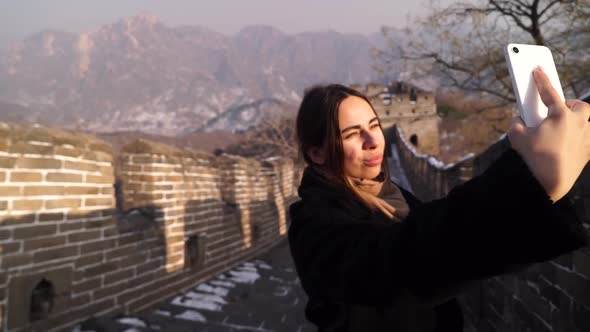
[{"x": 357, "y": 126}]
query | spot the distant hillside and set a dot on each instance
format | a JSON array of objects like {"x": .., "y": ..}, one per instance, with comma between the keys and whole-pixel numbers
[{"x": 141, "y": 75}]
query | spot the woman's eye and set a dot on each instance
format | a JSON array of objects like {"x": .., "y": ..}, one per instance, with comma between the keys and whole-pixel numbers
[{"x": 350, "y": 135}]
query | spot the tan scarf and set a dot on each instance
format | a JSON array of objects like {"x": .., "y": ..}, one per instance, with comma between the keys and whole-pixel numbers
[{"x": 383, "y": 194}]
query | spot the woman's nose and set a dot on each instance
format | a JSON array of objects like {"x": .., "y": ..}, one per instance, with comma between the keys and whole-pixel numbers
[{"x": 371, "y": 140}]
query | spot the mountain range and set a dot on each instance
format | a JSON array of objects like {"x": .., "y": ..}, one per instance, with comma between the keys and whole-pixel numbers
[{"x": 139, "y": 74}]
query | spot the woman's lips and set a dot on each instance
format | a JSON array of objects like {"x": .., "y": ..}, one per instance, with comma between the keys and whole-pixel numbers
[{"x": 374, "y": 161}]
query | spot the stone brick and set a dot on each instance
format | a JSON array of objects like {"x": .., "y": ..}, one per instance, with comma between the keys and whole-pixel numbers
[
  {"x": 52, "y": 216},
  {"x": 17, "y": 220},
  {"x": 57, "y": 253},
  {"x": 144, "y": 160},
  {"x": 7, "y": 162},
  {"x": 130, "y": 238},
  {"x": 134, "y": 260},
  {"x": 99, "y": 178},
  {"x": 69, "y": 226},
  {"x": 25, "y": 176},
  {"x": 154, "y": 187},
  {"x": 9, "y": 191},
  {"x": 106, "y": 222},
  {"x": 29, "y": 232},
  {"x": 64, "y": 177},
  {"x": 68, "y": 152},
  {"x": 87, "y": 260},
  {"x": 82, "y": 215},
  {"x": 27, "y": 205},
  {"x": 44, "y": 242},
  {"x": 38, "y": 163},
  {"x": 120, "y": 252},
  {"x": 107, "y": 191},
  {"x": 5, "y": 234},
  {"x": 151, "y": 265},
  {"x": 87, "y": 285},
  {"x": 96, "y": 246},
  {"x": 118, "y": 276},
  {"x": 100, "y": 269},
  {"x": 4, "y": 141},
  {"x": 10, "y": 248},
  {"x": 26, "y": 148},
  {"x": 173, "y": 178},
  {"x": 42, "y": 190},
  {"x": 110, "y": 231},
  {"x": 110, "y": 291},
  {"x": 81, "y": 191},
  {"x": 146, "y": 178},
  {"x": 80, "y": 166},
  {"x": 85, "y": 236},
  {"x": 16, "y": 260},
  {"x": 158, "y": 169},
  {"x": 109, "y": 201},
  {"x": 77, "y": 313},
  {"x": 131, "y": 168},
  {"x": 63, "y": 203},
  {"x": 2, "y": 176}
]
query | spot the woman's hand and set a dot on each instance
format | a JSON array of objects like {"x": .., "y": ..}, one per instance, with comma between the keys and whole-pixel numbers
[{"x": 558, "y": 149}]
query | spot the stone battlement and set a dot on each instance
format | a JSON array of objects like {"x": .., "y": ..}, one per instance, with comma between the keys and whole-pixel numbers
[
  {"x": 84, "y": 232},
  {"x": 408, "y": 107},
  {"x": 548, "y": 296}
]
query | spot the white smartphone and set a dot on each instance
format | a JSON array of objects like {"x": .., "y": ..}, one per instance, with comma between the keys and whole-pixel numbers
[{"x": 522, "y": 59}]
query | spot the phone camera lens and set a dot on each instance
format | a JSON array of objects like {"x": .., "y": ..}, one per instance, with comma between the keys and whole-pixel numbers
[{"x": 515, "y": 49}]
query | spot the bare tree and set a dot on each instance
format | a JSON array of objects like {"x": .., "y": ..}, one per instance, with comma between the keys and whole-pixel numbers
[
  {"x": 462, "y": 44},
  {"x": 273, "y": 136}
]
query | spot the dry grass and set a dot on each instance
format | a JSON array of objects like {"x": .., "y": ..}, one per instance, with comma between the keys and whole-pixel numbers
[{"x": 470, "y": 124}]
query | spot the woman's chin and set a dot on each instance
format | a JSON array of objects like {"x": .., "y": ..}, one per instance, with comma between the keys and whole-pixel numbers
[{"x": 371, "y": 175}]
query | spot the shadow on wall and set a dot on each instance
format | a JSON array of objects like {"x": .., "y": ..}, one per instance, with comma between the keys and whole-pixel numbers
[{"x": 73, "y": 267}]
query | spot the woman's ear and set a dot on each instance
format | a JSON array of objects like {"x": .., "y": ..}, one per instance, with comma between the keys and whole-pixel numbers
[{"x": 317, "y": 155}]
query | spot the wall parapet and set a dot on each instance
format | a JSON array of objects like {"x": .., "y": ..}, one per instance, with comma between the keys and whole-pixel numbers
[
  {"x": 68, "y": 250},
  {"x": 547, "y": 296}
]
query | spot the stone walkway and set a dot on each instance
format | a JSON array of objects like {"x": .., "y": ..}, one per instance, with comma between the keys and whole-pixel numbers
[{"x": 262, "y": 295}]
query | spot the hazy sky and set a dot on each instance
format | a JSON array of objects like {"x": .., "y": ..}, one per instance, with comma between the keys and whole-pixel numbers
[{"x": 19, "y": 18}]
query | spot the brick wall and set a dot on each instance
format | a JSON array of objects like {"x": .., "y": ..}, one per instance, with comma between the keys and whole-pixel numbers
[
  {"x": 551, "y": 296},
  {"x": 68, "y": 253}
]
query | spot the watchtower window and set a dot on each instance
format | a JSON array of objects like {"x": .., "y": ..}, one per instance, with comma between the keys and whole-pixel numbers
[
  {"x": 414, "y": 140},
  {"x": 42, "y": 299}
]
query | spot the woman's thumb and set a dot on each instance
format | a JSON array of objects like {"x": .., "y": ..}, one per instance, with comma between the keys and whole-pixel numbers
[{"x": 517, "y": 128}]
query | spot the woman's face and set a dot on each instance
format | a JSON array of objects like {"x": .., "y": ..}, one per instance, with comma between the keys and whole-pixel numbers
[{"x": 362, "y": 138}]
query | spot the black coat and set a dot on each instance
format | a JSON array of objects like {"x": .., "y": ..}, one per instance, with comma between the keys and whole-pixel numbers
[{"x": 363, "y": 272}]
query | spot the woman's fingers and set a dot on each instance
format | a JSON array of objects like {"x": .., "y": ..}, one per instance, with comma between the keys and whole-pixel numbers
[
  {"x": 517, "y": 132},
  {"x": 518, "y": 125},
  {"x": 579, "y": 106},
  {"x": 571, "y": 102},
  {"x": 548, "y": 94}
]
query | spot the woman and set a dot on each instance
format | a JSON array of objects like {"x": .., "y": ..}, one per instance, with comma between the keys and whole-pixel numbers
[{"x": 371, "y": 257}]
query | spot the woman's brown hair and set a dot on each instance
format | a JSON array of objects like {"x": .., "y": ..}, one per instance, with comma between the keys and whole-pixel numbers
[{"x": 317, "y": 127}]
